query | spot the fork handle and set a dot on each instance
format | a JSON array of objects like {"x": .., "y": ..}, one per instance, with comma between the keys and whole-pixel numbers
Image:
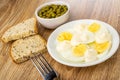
[
  {"x": 51, "y": 76},
  {"x": 53, "y": 79}
]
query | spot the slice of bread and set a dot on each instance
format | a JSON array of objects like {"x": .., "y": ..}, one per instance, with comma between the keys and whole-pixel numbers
[
  {"x": 21, "y": 30},
  {"x": 23, "y": 49}
]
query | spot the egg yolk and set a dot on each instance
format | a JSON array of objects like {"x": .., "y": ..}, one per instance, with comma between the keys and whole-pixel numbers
[
  {"x": 94, "y": 27},
  {"x": 101, "y": 47},
  {"x": 79, "y": 50},
  {"x": 64, "y": 36}
]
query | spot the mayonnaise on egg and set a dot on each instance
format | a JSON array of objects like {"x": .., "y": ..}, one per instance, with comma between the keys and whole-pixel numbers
[
  {"x": 79, "y": 28},
  {"x": 90, "y": 55},
  {"x": 63, "y": 46},
  {"x": 85, "y": 37},
  {"x": 102, "y": 35}
]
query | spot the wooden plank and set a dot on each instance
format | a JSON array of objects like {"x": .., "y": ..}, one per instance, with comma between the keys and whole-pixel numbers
[{"x": 15, "y": 11}]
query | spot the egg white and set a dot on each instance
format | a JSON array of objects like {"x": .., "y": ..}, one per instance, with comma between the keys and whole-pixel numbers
[
  {"x": 65, "y": 50},
  {"x": 68, "y": 55}
]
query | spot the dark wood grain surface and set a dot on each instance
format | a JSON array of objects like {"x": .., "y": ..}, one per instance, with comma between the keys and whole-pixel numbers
[{"x": 15, "y": 11}]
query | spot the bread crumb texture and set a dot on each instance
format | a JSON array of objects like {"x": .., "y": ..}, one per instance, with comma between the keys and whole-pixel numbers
[
  {"x": 23, "y": 49},
  {"x": 21, "y": 30}
]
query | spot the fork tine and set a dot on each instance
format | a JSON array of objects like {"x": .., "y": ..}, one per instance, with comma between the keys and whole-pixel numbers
[
  {"x": 43, "y": 67},
  {"x": 41, "y": 64},
  {"x": 38, "y": 66},
  {"x": 46, "y": 62}
]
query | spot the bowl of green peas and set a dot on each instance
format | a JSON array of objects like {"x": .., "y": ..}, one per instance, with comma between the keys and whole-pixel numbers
[{"x": 52, "y": 14}]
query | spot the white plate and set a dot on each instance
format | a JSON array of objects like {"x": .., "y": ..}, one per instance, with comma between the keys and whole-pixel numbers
[{"x": 51, "y": 46}]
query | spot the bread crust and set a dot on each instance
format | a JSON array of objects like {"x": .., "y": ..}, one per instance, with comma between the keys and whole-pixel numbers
[
  {"x": 11, "y": 55},
  {"x": 2, "y": 36},
  {"x": 35, "y": 27},
  {"x": 2, "y": 40}
]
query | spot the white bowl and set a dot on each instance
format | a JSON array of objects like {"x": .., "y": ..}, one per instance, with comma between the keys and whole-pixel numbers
[
  {"x": 53, "y": 22},
  {"x": 51, "y": 46}
]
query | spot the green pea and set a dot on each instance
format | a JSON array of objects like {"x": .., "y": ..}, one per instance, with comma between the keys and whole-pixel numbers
[
  {"x": 53, "y": 15},
  {"x": 58, "y": 11},
  {"x": 44, "y": 14}
]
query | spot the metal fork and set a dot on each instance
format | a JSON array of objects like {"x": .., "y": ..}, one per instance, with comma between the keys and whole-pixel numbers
[{"x": 44, "y": 68}]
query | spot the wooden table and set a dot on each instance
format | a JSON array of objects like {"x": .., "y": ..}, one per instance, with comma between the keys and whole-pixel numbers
[{"x": 15, "y": 11}]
